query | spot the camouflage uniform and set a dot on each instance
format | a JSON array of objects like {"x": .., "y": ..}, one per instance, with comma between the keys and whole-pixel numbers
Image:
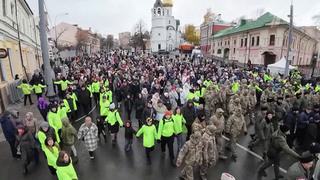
[
  {"x": 209, "y": 150},
  {"x": 244, "y": 101},
  {"x": 252, "y": 105},
  {"x": 198, "y": 126},
  {"x": 279, "y": 114},
  {"x": 211, "y": 100},
  {"x": 222, "y": 97},
  {"x": 234, "y": 105},
  {"x": 229, "y": 94},
  {"x": 235, "y": 125},
  {"x": 192, "y": 155},
  {"x": 219, "y": 122},
  {"x": 267, "y": 93}
]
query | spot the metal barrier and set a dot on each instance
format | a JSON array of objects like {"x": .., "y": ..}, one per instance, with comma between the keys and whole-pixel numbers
[{"x": 15, "y": 95}]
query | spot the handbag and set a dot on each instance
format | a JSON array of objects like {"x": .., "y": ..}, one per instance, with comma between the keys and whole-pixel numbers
[{"x": 85, "y": 135}]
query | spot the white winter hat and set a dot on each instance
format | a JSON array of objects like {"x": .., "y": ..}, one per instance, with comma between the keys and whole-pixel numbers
[
  {"x": 112, "y": 106},
  {"x": 226, "y": 176}
]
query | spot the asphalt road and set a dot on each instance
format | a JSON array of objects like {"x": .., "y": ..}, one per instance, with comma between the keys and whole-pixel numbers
[{"x": 115, "y": 163}]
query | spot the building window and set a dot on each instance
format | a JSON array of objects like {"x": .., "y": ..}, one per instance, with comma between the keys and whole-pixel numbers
[
  {"x": 234, "y": 42},
  {"x": 154, "y": 11},
  {"x": 168, "y": 12},
  {"x": 284, "y": 41},
  {"x": 241, "y": 43},
  {"x": 12, "y": 9},
  {"x": 228, "y": 42},
  {"x": 214, "y": 44},
  {"x": 234, "y": 50},
  {"x": 159, "y": 34},
  {"x": 245, "y": 42},
  {"x": 258, "y": 40},
  {"x": 159, "y": 12},
  {"x": 225, "y": 43},
  {"x": 272, "y": 40},
  {"x": 219, "y": 51},
  {"x": 252, "y": 41},
  {"x": 4, "y": 7},
  {"x": 169, "y": 22},
  {"x": 212, "y": 51}
]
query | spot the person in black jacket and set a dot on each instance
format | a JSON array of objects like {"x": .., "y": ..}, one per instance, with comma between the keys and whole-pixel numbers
[
  {"x": 128, "y": 105},
  {"x": 189, "y": 114},
  {"x": 85, "y": 99},
  {"x": 139, "y": 106},
  {"x": 148, "y": 112},
  {"x": 291, "y": 119},
  {"x": 128, "y": 134}
]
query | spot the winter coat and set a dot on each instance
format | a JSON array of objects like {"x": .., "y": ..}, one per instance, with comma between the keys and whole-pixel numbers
[
  {"x": 43, "y": 107},
  {"x": 303, "y": 120},
  {"x": 113, "y": 117},
  {"x": 148, "y": 113},
  {"x": 160, "y": 111},
  {"x": 129, "y": 132},
  {"x": 279, "y": 143},
  {"x": 8, "y": 128},
  {"x": 178, "y": 121},
  {"x": 52, "y": 155},
  {"x": 42, "y": 136},
  {"x": 84, "y": 97},
  {"x": 128, "y": 104},
  {"x": 166, "y": 128},
  {"x": 90, "y": 135},
  {"x": 65, "y": 171},
  {"x": 291, "y": 120},
  {"x": 219, "y": 123},
  {"x": 27, "y": 145},
  {"x": 139, "y": 106},
  {"x": 265, "y": 129},
  {"x": 296, "y": 171},
  {"x": 189, "y": 114},
  {"x": 174, "y": 97},
  {"x": 31, "y": 125},
  {"x": 25, "y": 88},
  {"x": 68, "y": 132},
  {"x": 166, "y": 102},
  {"x": 104, "y": 108},
  {"x": 54, "y": 120},
  {"x": 149, "y": 135}
]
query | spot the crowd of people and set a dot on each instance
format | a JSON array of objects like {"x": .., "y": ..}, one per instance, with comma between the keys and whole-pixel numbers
[{"x": 170, "y": 97}]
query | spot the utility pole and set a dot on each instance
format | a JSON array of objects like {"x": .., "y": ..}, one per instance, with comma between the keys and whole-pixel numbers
[
  {"x": 45, "y": 50},
  {"x": 289, "y": 54}
]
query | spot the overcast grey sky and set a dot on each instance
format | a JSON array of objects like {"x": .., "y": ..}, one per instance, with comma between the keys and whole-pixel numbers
[{"x": 114, "y": 16}]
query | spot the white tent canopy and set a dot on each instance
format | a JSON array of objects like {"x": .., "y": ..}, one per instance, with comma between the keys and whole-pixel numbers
[{"x": 278, "y": 67}]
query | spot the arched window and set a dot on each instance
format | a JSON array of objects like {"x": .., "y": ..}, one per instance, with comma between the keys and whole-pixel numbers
[
  {"x": 219, "y": 51},
  {"x": 159, "y": 12},
  {"x": 154, "y": 12}
]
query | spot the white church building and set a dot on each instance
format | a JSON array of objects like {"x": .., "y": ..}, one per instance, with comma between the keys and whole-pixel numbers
[{"x": 165, "y": 31}]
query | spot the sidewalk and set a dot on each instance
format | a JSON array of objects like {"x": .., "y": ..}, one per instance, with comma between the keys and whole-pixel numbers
[{"x": 23, "y": 111}]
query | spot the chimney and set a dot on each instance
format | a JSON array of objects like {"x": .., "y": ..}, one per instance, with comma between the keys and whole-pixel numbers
[
  {"x": 219, "y": 17},
  {"x": 243, "y": 22}
]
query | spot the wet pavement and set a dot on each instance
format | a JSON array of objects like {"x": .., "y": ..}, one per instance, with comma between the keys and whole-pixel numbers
[{"x": 114, "y": 163}]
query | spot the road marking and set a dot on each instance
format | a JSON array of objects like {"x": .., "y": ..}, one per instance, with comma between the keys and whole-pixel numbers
[
  {"x": 79, "y": 119},
  {"x": 253, "y": 153}
]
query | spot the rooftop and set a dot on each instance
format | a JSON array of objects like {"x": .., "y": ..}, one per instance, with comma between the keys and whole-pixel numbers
[{"x": 266, "y": 19}]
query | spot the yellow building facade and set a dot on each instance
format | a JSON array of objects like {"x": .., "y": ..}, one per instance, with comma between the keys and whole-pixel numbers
[{"x": 17, "y": 24}]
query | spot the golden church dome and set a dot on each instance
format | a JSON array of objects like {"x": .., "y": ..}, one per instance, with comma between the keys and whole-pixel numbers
[{"x": 167, "y": 3}]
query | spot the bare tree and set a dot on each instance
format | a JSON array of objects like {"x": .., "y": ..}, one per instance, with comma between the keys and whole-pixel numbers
[
  {"x": 140, "y": 36},
  {"x": 82, "y": 38},
  {"x": 209, "y": 16},
  {"x": 58, "y": 35},
  {"x": 316, "y": 18},
  {"x": 110, "y": 41}
]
